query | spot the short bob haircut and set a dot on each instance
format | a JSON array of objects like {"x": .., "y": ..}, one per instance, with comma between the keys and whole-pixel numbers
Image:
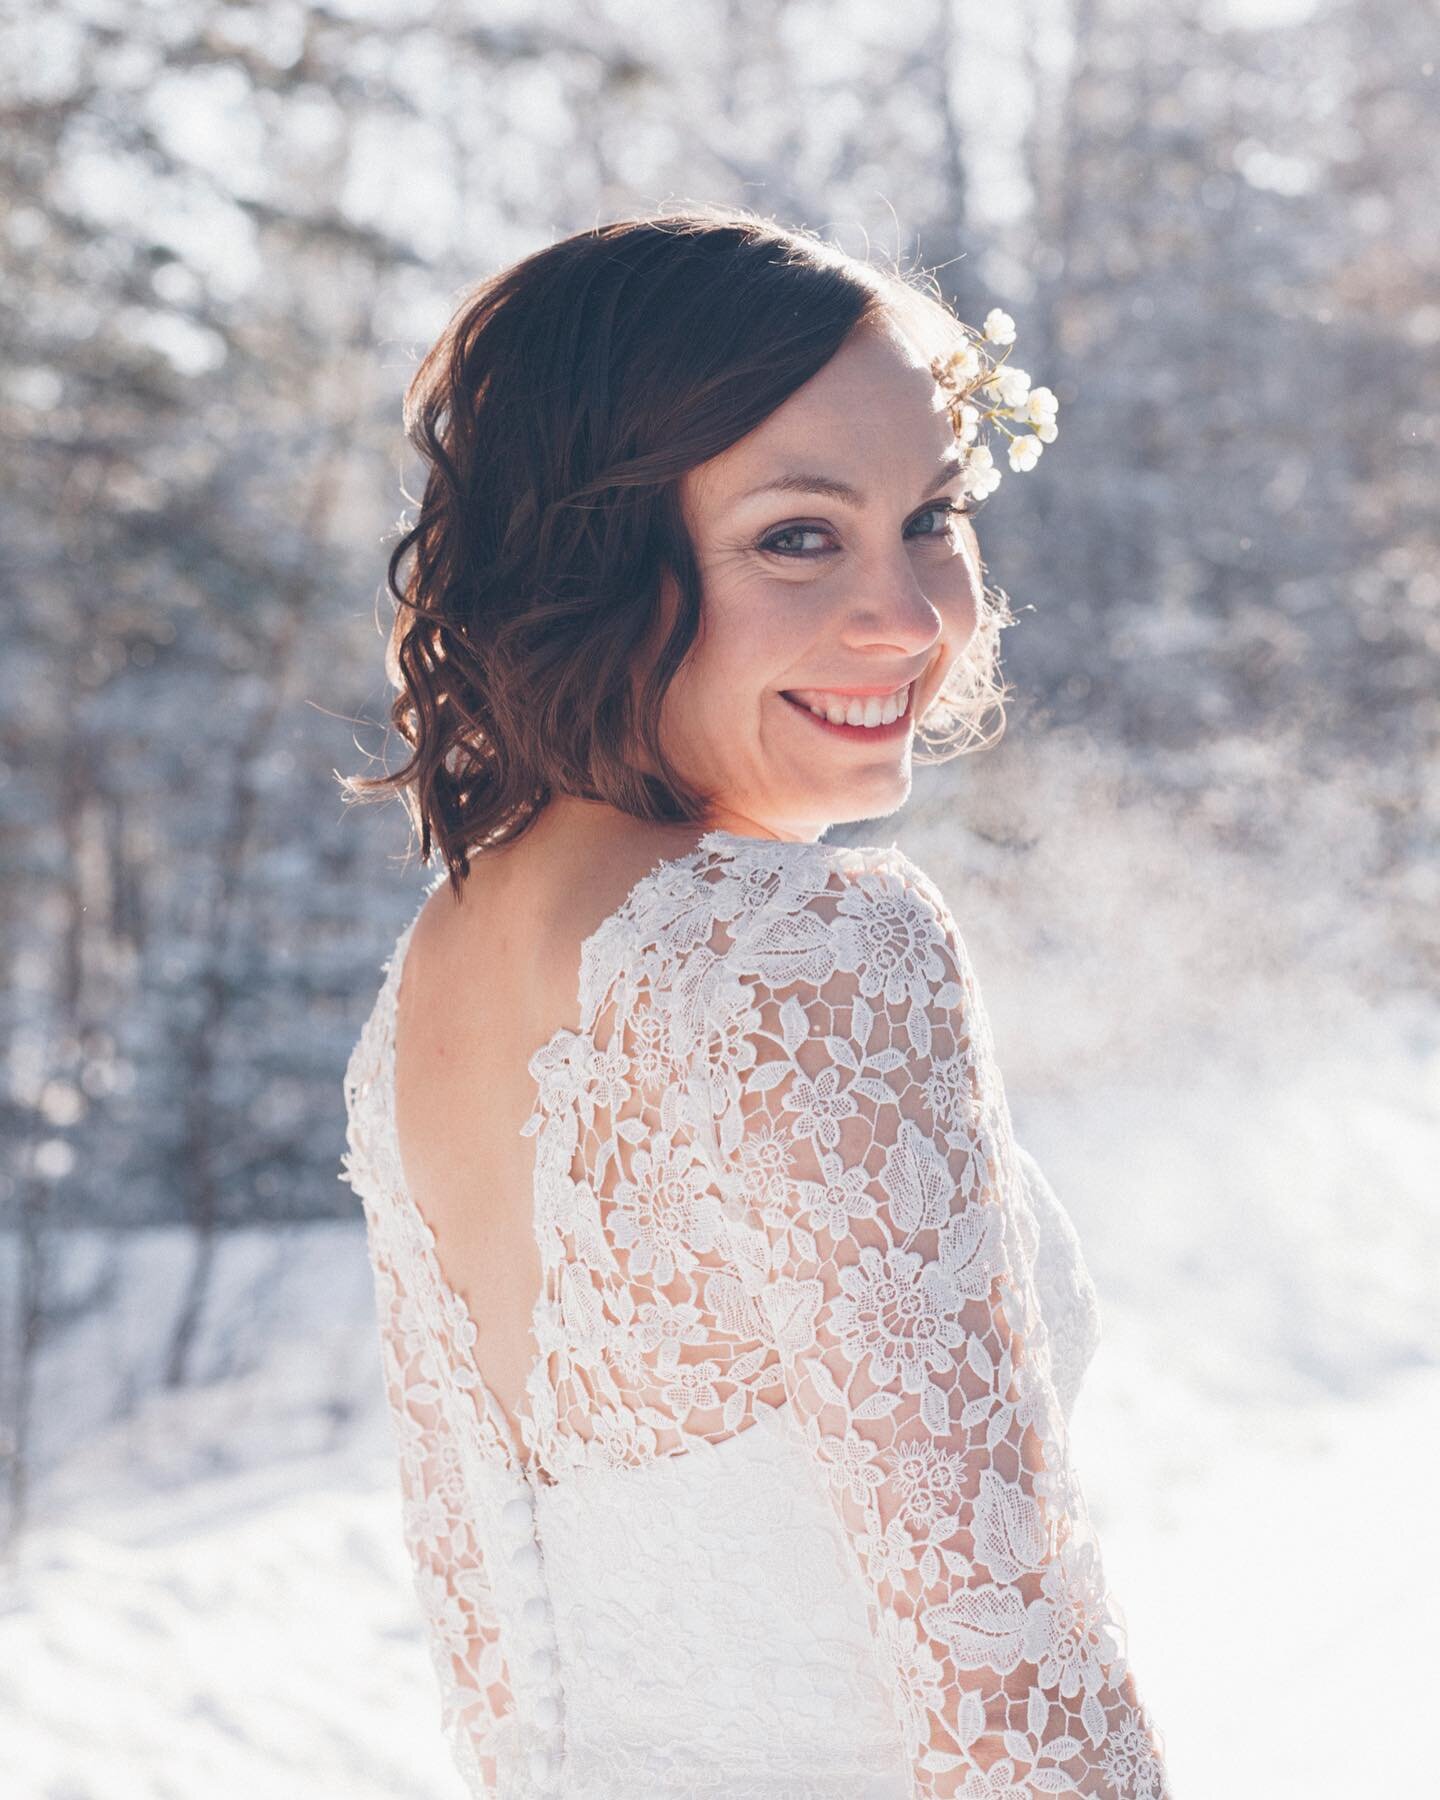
[{"x": 557, "y": 413}]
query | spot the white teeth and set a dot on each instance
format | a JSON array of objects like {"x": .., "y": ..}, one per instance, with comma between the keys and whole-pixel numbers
[{"x": 868, "y": 712}]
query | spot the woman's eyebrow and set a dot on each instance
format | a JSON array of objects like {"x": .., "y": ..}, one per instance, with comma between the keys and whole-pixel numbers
[{"x": 802, "y": 482}]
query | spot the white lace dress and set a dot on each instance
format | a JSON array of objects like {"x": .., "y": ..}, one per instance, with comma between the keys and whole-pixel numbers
[{"x": 791, "y": 1515}]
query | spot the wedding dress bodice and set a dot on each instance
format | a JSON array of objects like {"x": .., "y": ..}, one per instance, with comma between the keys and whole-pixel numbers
[{"x": 790, "y": 1514}]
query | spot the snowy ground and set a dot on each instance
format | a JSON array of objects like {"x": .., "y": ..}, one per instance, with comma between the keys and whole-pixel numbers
[{"x": 212, "y": 1599}]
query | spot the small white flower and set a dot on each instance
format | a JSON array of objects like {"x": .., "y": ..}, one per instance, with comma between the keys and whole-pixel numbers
[
  {"x": 843, "y": 1196},
  {"x": 1068, "y": 1632},
  {"x": 968, "y": 425},
  {"x": 1042, "y": 406},
  {"x": 962, "y": 366},
  {"x": 1025, "y": 452},
  {"x": 999, "y": 327},
  {"x": 898, "y": 1316},
  {"x": 852, "y": 1465},
  {"x": 665, "y": 1214},
  {"x": 441, "y": 1607},
  {"x": 889, "y": 1553},
  {"x": 981, "y": 475},
  {"x": 883, "y": 940},
  {"x": 924, "y": 1680},
  {"x": 1011, "y": 386},
  {"x": 692, "y": 1385},
  {"x": 823, "y": 1102},
  {"x": 1129, "y": 1758}
]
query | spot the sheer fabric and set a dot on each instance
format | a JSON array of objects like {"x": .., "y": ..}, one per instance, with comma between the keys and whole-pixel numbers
[{"x": 791, "y": 1511}]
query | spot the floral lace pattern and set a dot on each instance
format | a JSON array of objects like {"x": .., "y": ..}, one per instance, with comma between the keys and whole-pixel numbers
[{"x": 775, "y": 1175}]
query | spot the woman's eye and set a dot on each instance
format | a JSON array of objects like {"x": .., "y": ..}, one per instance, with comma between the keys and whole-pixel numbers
[
  {"x": 776, "y": 540},
  {"x": 782, "y": 542},
  {"x": 944, "y": 511}
]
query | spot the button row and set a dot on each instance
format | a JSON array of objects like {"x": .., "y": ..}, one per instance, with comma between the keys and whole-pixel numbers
[{"x": 539, "y": 1699}]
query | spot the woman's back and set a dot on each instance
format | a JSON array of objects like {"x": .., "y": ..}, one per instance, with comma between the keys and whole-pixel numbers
[
  {"x": 487, "y": 980},
  {"x": 776, "y": 1501}
]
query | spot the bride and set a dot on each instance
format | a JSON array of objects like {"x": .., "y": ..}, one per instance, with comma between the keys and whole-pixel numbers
[{"x": 729, "y": 1336}]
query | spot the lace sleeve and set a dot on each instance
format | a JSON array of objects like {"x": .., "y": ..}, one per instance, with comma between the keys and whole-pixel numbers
[
  {"x": 461, "y": 1628},
  {"x": 867, "y": 1144}
]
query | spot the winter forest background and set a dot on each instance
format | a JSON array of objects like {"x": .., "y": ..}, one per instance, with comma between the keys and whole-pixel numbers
[{"x": 1198, "y": 877}]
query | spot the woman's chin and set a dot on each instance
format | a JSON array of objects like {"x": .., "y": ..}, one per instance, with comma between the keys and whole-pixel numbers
[{"x": 865, "y": 794}]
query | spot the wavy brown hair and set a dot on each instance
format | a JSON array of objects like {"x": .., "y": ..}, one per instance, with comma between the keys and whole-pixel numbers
[{"x": 557, "y": 413}]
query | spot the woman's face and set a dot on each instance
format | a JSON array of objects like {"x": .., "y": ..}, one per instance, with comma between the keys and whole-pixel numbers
[{"x": 833, "y": 575}]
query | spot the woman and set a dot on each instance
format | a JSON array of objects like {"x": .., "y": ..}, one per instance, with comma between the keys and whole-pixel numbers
[{"x": 728, "y": 1334}]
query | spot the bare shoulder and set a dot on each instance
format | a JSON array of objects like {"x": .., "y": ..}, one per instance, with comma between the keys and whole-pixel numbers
[{"x": 531, "y": 903}]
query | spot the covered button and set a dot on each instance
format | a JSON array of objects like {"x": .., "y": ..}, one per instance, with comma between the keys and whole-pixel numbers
[
  {"x": 525, "y": 1559},
  {"x": 544, "y": 1768},
  {"x": 517, "y": 1514}
]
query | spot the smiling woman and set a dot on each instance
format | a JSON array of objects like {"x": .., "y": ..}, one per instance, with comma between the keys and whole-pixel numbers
[{"x": 729, "y": 1336}]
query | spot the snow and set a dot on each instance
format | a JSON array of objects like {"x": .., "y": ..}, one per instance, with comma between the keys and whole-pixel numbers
[{"x": 214, "y": 1597}]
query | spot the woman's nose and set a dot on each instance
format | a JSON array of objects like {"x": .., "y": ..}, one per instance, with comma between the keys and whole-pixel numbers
[{"x": 891, "y": 608}]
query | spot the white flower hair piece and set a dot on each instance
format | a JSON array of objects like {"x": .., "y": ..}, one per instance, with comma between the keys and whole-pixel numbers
[{"x": 986, "y": 391}]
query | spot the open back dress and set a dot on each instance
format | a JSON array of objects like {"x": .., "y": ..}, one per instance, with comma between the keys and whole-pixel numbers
[{"x": 789, "y": 1512}]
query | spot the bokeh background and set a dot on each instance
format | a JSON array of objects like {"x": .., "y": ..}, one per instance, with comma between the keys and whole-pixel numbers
[{"x": 1198, "y": 876}]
